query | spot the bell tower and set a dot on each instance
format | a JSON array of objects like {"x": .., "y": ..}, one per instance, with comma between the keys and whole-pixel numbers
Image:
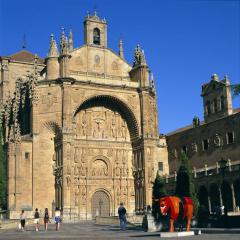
[{"x": 95, "y": 31}]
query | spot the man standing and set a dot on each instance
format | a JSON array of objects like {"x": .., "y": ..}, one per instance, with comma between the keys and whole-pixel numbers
[{"x": 122, "y": 216}]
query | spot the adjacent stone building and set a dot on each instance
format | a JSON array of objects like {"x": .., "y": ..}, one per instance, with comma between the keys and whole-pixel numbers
[
  {"x": 212, "y": 147},
  {"x": 81, "y": 131}
]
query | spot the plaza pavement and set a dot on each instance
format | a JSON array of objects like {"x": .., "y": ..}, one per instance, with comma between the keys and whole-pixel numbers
[{"x": 88, "y": 230}]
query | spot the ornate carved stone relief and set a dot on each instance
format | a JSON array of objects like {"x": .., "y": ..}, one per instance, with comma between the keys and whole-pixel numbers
[{"x": 101, "y": 123}]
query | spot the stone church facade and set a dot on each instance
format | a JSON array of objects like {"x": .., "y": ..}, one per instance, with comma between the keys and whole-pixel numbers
[{"x": 81, "y": 130}]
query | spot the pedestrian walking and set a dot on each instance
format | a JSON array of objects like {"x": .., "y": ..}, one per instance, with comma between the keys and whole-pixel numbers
[
  {"x": 36, "y": 220},
  {"x": 122, "y": 216},
  {"x": 46, "y": 219},
  {"x": 57, "y": 218},
  {"x": 22, "y": 220}
]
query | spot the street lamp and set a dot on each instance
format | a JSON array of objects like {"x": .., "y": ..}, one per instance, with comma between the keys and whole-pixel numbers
[{"x": 222, "y": 165}]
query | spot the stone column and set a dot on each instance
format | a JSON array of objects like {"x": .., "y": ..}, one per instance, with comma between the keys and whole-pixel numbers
[
  {"x": 209, "y": 204},
  {"x": 233, "y": 197},
  {"x": 220, "y": 197}
]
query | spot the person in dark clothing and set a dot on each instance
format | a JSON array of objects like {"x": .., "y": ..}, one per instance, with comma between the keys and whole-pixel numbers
[
  {"x": 122, "y": 216},
  {"x": 36, "y": 219},
  {"x": 46, "y": 219}
]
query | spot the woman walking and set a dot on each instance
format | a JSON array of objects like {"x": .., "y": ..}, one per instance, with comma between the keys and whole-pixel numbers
[
  {"x": 57, "y": 218},
  {"x": 22, "y": 220},
  {"x": 46, "y": 219},
  {"x": 36, "y": 220}
]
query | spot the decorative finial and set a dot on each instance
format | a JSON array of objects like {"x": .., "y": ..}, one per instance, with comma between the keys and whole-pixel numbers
[
  {"x": 121, "y": 54},
  {"x": 24, "y": 45},
  {"x": 214, "y": 77},
  {"x": 226, "y": 78},
  {"x": 70, "y": 40},
  {"x": 53, "y": 51},
  {"x": 95, "y": 10}
]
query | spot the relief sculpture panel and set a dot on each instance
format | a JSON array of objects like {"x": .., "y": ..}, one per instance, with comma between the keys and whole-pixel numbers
[{"x": 101, "y": 123}]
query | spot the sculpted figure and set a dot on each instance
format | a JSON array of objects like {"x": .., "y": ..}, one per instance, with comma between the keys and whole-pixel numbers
[{"x": 178, "y": 209}]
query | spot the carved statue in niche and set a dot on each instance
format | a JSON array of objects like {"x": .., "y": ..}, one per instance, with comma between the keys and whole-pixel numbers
[
  {"x": 124, "y": 191},
  {"x": 77, "y": 195},
  {"x": 68, "y": 181},
  {"x": 84, "y": 124},
  {"x": 84, "y": 155},
  {"x": 68, "y": 169},
  {"x": 82, "y": 171},
  {"x": 194, "y": 147},
  {"x": 100, "y": 169},
  {"x": 110, "y": 152},
  {"x": 76, "y": 170},
  {"x": 132, "y": 192},
  {"x": 124, "y": 156},
  {"x": 124, "y": 170},
  {"x": 113, "y": 127},
  {"x": 124, "y": 130},
  {"x": 217, "y": 140},
  {"x": 117, "y": 171},
  {"x": 76, "y": 155},
  {"x": 84, "y": 194}
]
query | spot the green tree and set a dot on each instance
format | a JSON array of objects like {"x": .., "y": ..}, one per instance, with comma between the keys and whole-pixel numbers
[
  {"x": 157, "y": 192},
  {"x": 184, "y": 185},
  {"x": 3, "y": 185},
  {"x": 236, "y": 89}
]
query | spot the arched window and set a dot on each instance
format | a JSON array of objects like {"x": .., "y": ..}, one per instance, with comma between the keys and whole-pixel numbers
[
  {"x": 208, "y": 108},
  {"x": 96, "y": 36},
  {"x": 222, "y": 103}
]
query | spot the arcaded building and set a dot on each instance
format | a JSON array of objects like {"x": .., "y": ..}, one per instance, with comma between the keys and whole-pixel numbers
[
  {"x": 212, "y": 147},
  {"x": 81, "y": 130}
]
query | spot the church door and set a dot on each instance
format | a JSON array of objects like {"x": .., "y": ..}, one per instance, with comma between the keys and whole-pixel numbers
[{"x": 100, "y": 204}]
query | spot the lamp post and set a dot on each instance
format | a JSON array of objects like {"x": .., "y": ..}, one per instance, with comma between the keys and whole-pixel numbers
[{"x": 222, "y": 165}]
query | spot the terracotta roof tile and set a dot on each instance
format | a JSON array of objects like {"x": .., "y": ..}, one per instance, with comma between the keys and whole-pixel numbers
[{"x": 25, "y": 56}]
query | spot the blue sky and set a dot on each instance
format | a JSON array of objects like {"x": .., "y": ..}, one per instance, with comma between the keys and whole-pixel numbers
[{"x": 185, "y": 41}]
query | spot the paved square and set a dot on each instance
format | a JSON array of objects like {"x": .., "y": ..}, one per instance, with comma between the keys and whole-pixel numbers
[{"x": 88, "y": 230}]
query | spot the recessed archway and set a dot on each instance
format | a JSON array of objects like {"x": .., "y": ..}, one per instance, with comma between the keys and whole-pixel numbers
[
  {"x": 100, "y": 204},
  {"x": 116, "y": 105}
]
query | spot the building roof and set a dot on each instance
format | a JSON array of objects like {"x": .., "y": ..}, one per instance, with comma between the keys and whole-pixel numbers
[
  {"x": 190, "y": 126},
  {"x": 25, "y": 56}
]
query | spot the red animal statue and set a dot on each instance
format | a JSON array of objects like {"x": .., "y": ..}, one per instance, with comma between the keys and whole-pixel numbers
[{"x": 177, "y": 207}]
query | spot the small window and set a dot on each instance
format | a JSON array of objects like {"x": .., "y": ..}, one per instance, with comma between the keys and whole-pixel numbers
[
  {"x": 230, "y": 138},
  {"x": 205, "y": 144},
  {"x": 160, "y": 166},
  {"x": 222, "y": 103},
  {"x": 184, "y": 149},
  {"x": 215, "y": 107},
  {"x": 27, "y": 155},
  {"x": 96, "y": 36}
]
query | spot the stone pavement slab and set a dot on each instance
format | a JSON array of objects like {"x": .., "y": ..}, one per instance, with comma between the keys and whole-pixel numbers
[{"x": 88, "y": 230}]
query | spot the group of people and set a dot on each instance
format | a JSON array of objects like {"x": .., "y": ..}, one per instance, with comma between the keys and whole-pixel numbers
[
  {"x": 58, "y": 218},
  {"x": 46, "y": 219}
]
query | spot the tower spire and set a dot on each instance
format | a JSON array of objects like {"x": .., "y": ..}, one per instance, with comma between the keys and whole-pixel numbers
[
  {"x": 121, "y": 54},
  {"x": 70, "y": 41},
  {"x": 24, "y": 41},
  {"x": 53, "y": 51}
]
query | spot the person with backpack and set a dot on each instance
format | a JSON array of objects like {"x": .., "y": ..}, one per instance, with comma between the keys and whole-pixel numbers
[
  {"x": 36, "y": 220},
  {"x": 122, "y": 216},
  {"x": 46, "y": 219}
]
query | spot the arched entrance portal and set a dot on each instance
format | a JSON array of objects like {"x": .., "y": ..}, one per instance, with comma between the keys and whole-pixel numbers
[
  {"x": 105, "y": 137},
  {"x": 100, "y": 204}
]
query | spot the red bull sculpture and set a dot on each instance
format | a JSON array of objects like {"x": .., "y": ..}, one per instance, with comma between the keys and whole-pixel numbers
[{"x": 178, "y": 210}]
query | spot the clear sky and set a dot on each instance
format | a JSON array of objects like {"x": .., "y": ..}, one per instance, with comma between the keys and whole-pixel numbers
[{"x": 185, "y": 41}]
